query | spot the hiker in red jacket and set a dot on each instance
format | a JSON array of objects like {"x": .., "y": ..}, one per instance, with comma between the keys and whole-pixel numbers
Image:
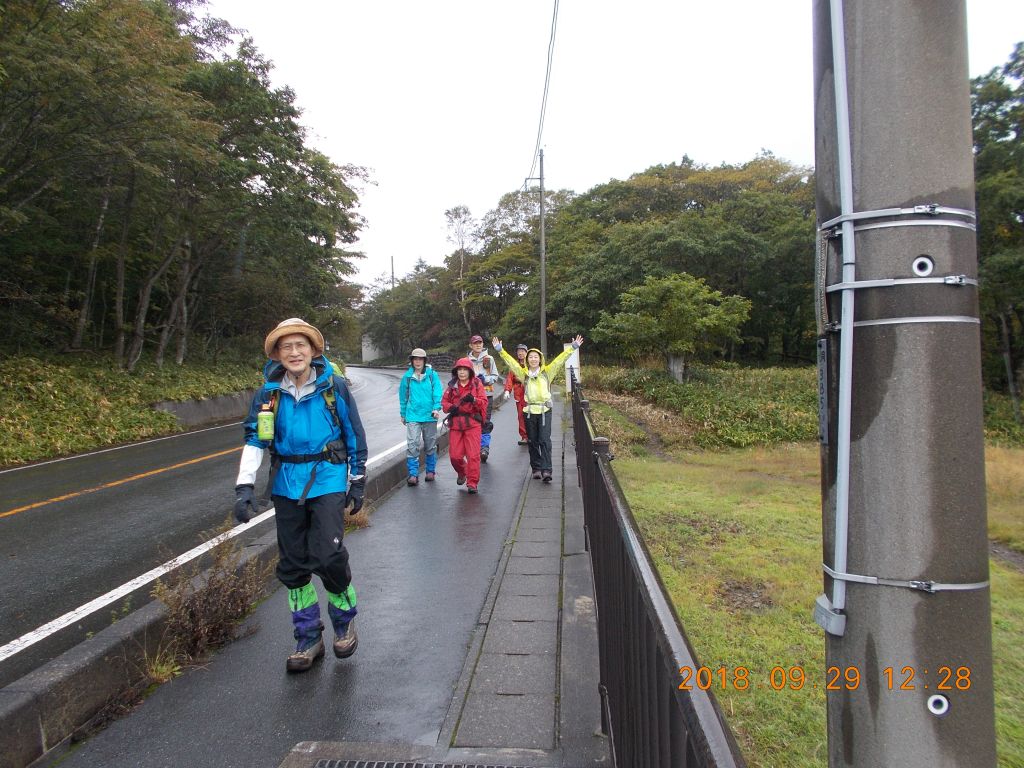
[
  {"x": 514, "y": 388},
  {"x": 465, "y": 402}
]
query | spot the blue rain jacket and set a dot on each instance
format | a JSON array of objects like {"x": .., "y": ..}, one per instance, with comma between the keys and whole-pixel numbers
[
  {"x": 305, "y": 427},
  {"x": 417, "y": 399}
]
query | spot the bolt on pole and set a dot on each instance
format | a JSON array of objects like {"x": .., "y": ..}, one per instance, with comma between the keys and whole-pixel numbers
[{"x": 906, "y": 603}]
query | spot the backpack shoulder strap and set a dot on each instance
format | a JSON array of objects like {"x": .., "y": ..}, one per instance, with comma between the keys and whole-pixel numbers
[{"x": 332, "y": 402}]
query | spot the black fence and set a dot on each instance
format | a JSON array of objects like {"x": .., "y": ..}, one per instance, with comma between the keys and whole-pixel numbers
[{"x": 649, "y": 719}]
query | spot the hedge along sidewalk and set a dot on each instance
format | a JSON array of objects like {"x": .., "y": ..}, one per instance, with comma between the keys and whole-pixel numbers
[{"x": 44, "y": 709}]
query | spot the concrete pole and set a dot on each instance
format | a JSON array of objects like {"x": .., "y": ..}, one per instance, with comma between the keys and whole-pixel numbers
[
  {"x": 543, "y": 269},
  {"x": 914, "y": 495}
]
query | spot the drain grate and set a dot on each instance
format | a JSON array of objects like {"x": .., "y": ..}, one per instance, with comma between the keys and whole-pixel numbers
[{"x": 392, "y": 764}]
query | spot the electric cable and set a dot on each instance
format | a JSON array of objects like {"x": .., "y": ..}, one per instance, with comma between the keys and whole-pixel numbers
[{"x": 547, "y": 83}]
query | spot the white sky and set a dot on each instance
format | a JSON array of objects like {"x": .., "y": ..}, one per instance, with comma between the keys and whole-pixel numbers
[{"x": 441, "y": 100}]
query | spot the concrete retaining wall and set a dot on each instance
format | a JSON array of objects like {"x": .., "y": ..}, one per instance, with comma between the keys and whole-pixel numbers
[{"x": 192, "y": 413}]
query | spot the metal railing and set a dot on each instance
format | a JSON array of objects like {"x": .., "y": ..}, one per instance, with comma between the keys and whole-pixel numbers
[{"x": 649, "y": 720}]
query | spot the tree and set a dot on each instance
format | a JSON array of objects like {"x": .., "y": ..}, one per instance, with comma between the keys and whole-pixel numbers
[
  {"x": 461, "y": 226},
  {"x": 678, "y": 316},
  {"x": 997, "y": 105}
]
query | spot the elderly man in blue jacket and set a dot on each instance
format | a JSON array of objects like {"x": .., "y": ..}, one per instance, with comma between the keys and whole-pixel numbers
[{"x": 317, "y": 470}]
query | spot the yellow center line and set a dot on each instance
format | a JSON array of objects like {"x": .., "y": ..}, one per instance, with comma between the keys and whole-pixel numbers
[{"x": 66, "y": 496}]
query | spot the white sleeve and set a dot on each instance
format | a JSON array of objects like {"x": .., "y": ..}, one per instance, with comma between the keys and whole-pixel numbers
[{"x": 252, "y": 458}]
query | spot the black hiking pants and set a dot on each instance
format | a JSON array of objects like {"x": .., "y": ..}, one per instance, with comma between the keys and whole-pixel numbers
[
  {"x": 538, "y": 437},
  {"x": 310, "y": 539}
]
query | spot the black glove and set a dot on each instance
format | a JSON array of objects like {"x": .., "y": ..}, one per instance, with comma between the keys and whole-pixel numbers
[
  {"x": 356, "y": 489},
  {"x": 244, "y": 500},
  {"x": 467, "y": 399}
]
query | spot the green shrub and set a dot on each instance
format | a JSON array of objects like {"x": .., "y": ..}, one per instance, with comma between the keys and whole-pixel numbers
[
  {"x": 62, "y": 405},
  {"x": 732, "y": 407},
  {"x": 1001, "y": 428},
  {"x": 727, "y": 406}
]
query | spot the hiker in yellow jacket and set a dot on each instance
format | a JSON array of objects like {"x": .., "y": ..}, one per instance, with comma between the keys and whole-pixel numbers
[{"x": 536, "y": 378}]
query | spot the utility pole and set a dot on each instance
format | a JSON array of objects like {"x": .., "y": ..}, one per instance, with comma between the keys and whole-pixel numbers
[
  {"x": 908, "y": 646},
  {"x": 543, "y": 269},
  {"x": 392, "y": 273}
]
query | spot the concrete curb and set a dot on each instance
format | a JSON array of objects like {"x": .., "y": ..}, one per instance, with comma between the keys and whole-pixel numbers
[{"x": 47, "y": 707}]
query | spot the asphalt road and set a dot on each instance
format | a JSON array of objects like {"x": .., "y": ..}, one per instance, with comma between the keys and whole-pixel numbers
[
  {"x": 422, "y": 571},
  {"x": 128, "y": 510}
]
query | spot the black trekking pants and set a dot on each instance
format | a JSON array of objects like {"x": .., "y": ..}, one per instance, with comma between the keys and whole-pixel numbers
[
  {"x": 538, "y": 436},
  {"x": 310, "y": 539}
]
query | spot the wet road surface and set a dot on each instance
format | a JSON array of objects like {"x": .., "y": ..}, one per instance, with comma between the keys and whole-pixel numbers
[
  {"x": 63, "y": 553},
  {"x": 422, "y": 571}
]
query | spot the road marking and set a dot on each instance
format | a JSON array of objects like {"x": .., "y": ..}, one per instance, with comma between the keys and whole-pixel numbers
[
  {"x": 114, "y": 595},
  {"x": 152, "y": 472},
  {"x": 118, "y": 448}
]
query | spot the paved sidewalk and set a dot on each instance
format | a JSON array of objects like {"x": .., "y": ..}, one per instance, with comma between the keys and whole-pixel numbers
[{"x": 477, "y": 644}]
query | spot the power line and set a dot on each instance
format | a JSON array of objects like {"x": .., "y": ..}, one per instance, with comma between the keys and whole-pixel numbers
[{"x": 547, "y": 82}]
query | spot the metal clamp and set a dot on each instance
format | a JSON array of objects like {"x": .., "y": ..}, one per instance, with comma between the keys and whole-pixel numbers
[
  {"x": 926, "y": 209},
  {"x": 956, "y": 280},
  {"x": 919, "y": 585}
]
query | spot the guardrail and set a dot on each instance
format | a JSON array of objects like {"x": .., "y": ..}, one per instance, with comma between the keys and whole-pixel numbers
[{"x": 649, "y": 720}]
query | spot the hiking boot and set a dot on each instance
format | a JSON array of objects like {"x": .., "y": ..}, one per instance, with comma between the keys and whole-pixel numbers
[
  {"x": 429, "y": 477},
  {"x": 536, "y": 474},
  {"x": 547, "y": 477},
  {"x": 483, "y": 455},
  {"x": 305, "y": 654},
  {"x": 345, "y": 644},
  {"x": 460, "y": 480},
  {"x": 472, "y": 489},
  {"x": 413, "y": 480}
]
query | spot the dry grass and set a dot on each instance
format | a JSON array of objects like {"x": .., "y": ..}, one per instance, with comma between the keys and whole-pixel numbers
[
  {"x": 659, "y": 428},
  {"x": 736, "y": 539},
  {"x": 205, "y": 609},
  {"x": 1004, "y": 478}
]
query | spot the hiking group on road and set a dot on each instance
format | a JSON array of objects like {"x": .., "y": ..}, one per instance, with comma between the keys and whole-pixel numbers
[{"x": 307, "y": 418}]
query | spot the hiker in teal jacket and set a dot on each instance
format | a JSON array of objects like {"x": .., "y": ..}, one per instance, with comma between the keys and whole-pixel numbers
[{"x": 419, "y": 404}]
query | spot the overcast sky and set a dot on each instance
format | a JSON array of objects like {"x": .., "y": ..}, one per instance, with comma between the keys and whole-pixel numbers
[{"x": 440, "y": 100}]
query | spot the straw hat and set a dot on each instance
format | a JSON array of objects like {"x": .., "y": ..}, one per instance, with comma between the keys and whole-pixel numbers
[{"x": 289, "y": 326}]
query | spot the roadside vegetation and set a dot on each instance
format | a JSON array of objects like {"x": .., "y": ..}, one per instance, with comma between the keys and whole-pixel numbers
[
  {"x": 723, "y": 478},
  {"x": 61, "y": 405},
  {"x": 205, "y": 608}
]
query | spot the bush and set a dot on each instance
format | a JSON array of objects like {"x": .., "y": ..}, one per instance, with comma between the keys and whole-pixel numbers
[
  {"x": 71, "y": 404},
  {"x": 727, "y": 406},
  {"x": 205, "y": 610},
  {"x": 1001, "y": 427}
]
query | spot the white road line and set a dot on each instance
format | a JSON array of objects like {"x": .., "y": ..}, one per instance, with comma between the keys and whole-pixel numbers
[
  {"x": 119, "y": 447},
  {"x": 114, "y": 595}
]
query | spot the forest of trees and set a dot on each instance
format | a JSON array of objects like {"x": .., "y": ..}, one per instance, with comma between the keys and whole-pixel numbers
[
  {"x": 154, "y": 187},
  {"x": 746, "y": 230}
]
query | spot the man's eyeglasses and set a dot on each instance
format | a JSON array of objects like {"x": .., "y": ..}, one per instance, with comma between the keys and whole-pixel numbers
[{"x": 298, "y": 346}]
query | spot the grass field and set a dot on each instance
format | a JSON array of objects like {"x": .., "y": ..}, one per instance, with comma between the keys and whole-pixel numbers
[{"x": 736, "y": 537}]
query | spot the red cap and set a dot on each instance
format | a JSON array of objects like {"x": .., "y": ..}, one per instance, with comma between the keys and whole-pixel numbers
[{"x": 475, "y": 339}]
